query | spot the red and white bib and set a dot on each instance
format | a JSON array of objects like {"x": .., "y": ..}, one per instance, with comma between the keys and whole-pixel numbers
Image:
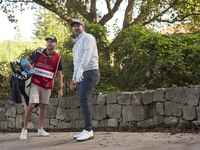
[{"x": 45, "y": 70}]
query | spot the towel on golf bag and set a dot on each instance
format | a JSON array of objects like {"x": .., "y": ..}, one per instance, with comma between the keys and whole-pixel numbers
[
  {"x": 20, "y": 81},
  {"x": 20, "y": 85}
]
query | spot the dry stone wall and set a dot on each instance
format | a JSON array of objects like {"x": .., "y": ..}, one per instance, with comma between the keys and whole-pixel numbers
[{"x": 141, "y": 108}]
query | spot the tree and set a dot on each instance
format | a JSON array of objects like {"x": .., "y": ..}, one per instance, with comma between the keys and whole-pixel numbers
[
  {"x": 145, "y": 12},
  {"x": 48, "y": 23}
]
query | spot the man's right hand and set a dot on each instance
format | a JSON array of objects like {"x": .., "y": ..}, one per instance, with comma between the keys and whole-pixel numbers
[{"x": 73, "y": 84}]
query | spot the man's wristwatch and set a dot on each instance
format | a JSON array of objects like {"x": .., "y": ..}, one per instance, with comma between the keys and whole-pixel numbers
[{"x": 61, "y": 87}]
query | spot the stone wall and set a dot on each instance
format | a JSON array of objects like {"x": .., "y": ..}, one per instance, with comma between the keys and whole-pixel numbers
[{"x": 141, "y": 108}]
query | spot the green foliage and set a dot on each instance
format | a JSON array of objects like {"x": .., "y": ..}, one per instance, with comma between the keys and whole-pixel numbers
[
  {"x": 12, "y": 50},
  {"x": 101, "y": 33},
  {"x": 144, "y": 59},
  {"x": 48, "y": 23}
]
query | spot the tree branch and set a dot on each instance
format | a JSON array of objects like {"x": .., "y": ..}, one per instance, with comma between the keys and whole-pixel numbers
[
  {"x": 109, "y": 7},
  {"x": 128, "y": 14},
  {"x": 54, "y": 9},
  {"x": 160, "y": 14},
  {"x": 178, "y": 20},
  {"x": 109, "y": 15},
  {"x": 93, "y": 12},
  {"x": 87, "y": 6}
]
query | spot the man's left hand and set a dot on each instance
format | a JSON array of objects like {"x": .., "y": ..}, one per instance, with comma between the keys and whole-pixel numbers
[{"x": 60, "y": 94}]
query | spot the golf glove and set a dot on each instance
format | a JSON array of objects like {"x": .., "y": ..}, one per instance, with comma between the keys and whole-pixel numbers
[{"x": 79, "y": 75}]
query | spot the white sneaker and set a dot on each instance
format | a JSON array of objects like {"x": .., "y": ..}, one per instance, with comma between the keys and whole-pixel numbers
[
  {"x": 86, "y": 135},
  {"x": 78, "y": 135},
  {"x": 41, "y": 132},
  {"x": 23, "y": 135}
]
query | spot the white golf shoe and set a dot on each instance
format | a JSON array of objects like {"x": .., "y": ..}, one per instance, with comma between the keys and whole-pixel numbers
[{"x": 85, "y": 135}]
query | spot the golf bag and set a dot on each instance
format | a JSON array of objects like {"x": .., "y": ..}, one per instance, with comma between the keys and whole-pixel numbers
[{"x": 20, "y": 81}]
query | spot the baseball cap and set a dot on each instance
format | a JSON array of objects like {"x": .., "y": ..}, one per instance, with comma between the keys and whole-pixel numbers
[
  {"x": 52, "y": 38},
  {"x": 77, "y": 21}
]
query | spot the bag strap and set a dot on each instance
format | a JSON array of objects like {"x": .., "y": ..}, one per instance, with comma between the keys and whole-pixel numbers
[{"x": 37, "y": 55}]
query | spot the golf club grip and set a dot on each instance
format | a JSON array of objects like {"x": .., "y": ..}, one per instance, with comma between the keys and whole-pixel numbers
[{"x": 13, "y": 69}]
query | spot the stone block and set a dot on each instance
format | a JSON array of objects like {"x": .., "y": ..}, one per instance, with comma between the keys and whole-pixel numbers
[
  {"x": 74, "y": 101},
  {"x": 160, "y": 108},
  {"x": 46, "y": 123},
  {"x": 171, "y": 120},
  {"x": 95, "y": 123},
  {"x": 64, "y": 102},
  {"x": 51, "y": 127},
  {"x": 114, "y": 111},
  {"x": 19, "y": 120},
  {"x": 112, "y": 122},
  {"x": 177, "y": 110},
  {"x": 99, "y": 112},
  {"x": 133, "y": 113},
  {"x": 36, "y": 110},
  {"x": 51, "y": 111},
  {"x": 63, "y": 125},
  {"x": 4, "y": 125},
  {"x": 111, "y": 98},
  {"x": 169, "y": 107},
  {"x": 11, "y": 123},
  {"x": 175, "y": 95},
  {"x": 2, "y": 116},
  {"x": 34, "y": 118},
  {"x": 103, "y": 123},
  {"x": 198, "y": 114},
  {"x": 157, "y": 120},
  {"x": 94, "y": 99},
  {"x": 80, "y": 113},
  {"x": 125, "y": 124},
  {"x": 192, "y": 96},
  {"x": 158, "y": 95},
  {"x": 101, "y": 100},
  {"x": 20, "y": 108},
  {"x": 80, "y": 124},
  {"x": 2, "y": 103},
  {"x": 11, "y": 112},
  {"x": 136, "y": 98},
  {"x": 189, "y": 112},
  {"x": 124, "y": 98},
  {"x": 151, "y": 112},
  {"x": 145, "y": 123},
  {"x": 54, "y": 122},
  {"x": 147, "y": 97},
  {"x": 35, "y": 125},
  {"x": 53, "y": 101},
  {"x": 71, "y": 114},
  {"x": 60, "y": 113},
  {"x": 73, "y": 124}
]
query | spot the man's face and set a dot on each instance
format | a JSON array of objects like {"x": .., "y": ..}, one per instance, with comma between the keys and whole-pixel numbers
[
  {"x": 51, "y": 44},
  {"x": 78, "y": 28}
]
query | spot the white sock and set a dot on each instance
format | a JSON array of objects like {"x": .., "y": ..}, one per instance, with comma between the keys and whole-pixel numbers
[
  {"x": 39, "y": 129},
  {"x": 24, "y": 129}
]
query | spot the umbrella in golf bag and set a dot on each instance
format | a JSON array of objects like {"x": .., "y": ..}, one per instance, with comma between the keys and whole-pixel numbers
[{"x": 20, "y": 81}]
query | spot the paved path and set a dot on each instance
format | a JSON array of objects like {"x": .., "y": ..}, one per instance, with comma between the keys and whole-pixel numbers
[{"x": 102, "y": 141}]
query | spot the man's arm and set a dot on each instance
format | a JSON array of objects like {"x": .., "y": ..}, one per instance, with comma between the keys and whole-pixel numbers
[{"x": 60, "y": 82}]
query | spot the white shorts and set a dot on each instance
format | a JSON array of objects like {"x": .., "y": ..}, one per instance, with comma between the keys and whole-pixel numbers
[{"x": 39, "y": 95}]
